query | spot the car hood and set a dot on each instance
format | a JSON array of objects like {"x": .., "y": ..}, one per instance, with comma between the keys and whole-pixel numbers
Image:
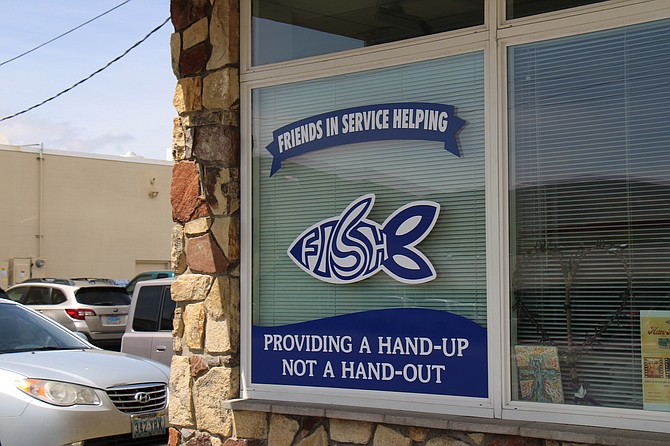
[{"x": 94, "y": 368}]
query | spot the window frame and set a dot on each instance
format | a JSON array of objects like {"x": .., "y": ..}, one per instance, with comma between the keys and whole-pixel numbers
[
  {"x": 600, "y": 17},
  {"x": 494, "y": 38},
  {"x": 165, "y": 323}
]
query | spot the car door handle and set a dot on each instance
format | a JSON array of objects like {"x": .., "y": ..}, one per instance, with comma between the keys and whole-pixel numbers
[{"x": 160, "y": 348}]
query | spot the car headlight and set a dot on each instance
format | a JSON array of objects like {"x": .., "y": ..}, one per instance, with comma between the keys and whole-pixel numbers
[{"x": 58, "y": 393}]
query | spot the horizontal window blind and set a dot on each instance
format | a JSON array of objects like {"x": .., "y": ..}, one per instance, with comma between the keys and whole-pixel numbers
[
  {"x": 590, "y": 203},
  {"x": 321, "y": 184}
]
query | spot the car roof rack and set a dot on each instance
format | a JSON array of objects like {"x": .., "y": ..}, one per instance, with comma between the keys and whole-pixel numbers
[
  {"x": 49, "y": 280},
  {"x": 72, "y": 281},
  {"x": 94, "y": 280}
]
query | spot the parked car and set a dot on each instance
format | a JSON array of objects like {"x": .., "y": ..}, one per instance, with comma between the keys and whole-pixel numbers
[
  {"x": 149, "y": 329},
  {"x": 93, "y": 307},
  {"x": 58, "y": 389},
  {"x": 147, "y": 275}
]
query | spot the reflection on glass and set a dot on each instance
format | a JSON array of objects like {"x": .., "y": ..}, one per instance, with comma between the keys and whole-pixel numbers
[
  {"x": 524, "y": 8},
  {"x": 285, "y": 30},
  {"x": 321, "y": 184},
  {"x": 590, "y": 209}
]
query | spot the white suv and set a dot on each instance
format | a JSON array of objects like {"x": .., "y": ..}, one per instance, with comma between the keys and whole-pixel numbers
[
  {"x": 95, "y": 307},
  {"x": 149, "y": 329}
]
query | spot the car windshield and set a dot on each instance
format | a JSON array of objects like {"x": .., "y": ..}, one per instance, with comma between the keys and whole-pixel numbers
[
  {"x": 22, "y": 330},
  {"x": 102, "y": 296}
]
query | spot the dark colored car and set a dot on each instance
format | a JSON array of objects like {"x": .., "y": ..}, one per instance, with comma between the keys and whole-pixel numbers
[{"x": 147, "y": 275}]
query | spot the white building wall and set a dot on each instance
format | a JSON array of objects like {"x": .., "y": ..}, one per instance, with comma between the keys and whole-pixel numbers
[{"x": 83, "y": 215}]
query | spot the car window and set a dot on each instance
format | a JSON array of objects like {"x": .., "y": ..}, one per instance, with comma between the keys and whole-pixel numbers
[
  {"x": 142, "y": 277},
  {"x": 167, "y": 313},
  {"x": 16, "y": 294},
  {"x": 57, "y": 297},
  {"x": 102, "y": 296},
  {"x": 139, "y": 278},
  {"x": 147, "y": 308},
  {"x": 36, "y": 296},
  {"x": 22, "y": 330}
]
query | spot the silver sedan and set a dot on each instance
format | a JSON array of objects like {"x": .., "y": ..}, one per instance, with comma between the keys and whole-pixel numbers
[{"x": 57, "y": 389}]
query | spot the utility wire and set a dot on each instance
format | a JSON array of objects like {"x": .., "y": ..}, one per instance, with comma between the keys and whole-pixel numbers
[
  {"x": 62, "y": 35},
  {"x": 89, "y": 76}
]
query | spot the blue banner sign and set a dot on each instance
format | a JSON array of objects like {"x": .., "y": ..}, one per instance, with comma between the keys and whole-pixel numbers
[
  {"x": 398, "y": 350},
  {"x": 397, "y": 121},
  {"x": 349, "y": 247}
]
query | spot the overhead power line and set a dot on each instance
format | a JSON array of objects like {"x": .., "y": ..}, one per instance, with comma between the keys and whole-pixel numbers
[
  {"x": 62, "y": 35},
  {"x": 89, "y": 76}
]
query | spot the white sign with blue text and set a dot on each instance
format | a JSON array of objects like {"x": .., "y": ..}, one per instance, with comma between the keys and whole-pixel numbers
[
  {"x": 413, "y": 350},
  {"x": 396, "y": 121}
]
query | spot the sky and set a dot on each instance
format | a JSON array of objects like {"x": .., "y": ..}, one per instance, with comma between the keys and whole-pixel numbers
[{"x": 126, "y": 108}]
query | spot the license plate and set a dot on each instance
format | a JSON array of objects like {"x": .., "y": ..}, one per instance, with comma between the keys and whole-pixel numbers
[
  {"x": 148, "y": 425},
  {"x": 112, "y": 320}
]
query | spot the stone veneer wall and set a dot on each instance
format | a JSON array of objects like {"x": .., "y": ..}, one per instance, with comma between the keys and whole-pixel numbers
[
  {"x": 205, "y": 254},
  {"x": 205, "y": 209}
]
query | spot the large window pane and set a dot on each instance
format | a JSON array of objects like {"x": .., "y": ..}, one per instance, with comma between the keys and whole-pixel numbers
[
  {"x": 289, "y": 29},
  {"x": 590, "y": 209},
  {"x": 308, "y": 200},
  {"x": 321, "y": 184}
]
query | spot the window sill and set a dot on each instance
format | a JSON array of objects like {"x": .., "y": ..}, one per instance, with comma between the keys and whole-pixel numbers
[{"x": 546, "y": 431}]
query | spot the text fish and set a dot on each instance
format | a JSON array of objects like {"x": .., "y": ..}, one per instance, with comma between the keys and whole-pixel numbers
[{"x": 349, "y": 248}]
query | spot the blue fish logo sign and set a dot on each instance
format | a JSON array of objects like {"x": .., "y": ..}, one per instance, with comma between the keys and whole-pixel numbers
[{"x": 349, "y": 248}]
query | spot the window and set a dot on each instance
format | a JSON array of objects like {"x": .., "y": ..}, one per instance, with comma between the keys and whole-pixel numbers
[
  {"x": 57, "y": 296},
  {"x": 167, "y": 310},
  {"x": 391, "y": 174},
  {"x": 154, "y": 309},
  {"x": 147, "y": 308},
  {"x": 102, "y": 296},
  {"x": 590, "y": 207},
  {"x": 37, "y": 296},
  {"x": 584, "y": 138},
  {"x": 525, "y": 8},
  {"x": 18, "y": 294},
  {"x": 285, "y": 30}
]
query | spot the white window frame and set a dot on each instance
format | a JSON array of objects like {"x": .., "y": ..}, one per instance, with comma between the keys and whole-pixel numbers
[
  {"x": 597, "y": 17},
  {"x": 493, "y": 38}
]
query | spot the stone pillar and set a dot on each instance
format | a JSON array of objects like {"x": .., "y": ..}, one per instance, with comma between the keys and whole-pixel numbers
[{"x": 205, "y": 209}]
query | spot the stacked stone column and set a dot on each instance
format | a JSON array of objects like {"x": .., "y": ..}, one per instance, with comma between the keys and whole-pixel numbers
[{"x": 205, "y": 208}]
